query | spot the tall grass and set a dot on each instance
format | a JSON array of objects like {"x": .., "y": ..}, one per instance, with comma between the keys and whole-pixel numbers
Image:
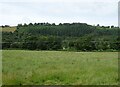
[{"x": 59, "y": 68}]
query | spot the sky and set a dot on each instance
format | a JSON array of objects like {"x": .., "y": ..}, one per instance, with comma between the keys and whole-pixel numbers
[{"x": 93, "y": 12}]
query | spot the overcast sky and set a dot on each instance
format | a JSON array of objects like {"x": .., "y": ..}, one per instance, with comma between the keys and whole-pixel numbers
[{"x": 103, "y": 12}]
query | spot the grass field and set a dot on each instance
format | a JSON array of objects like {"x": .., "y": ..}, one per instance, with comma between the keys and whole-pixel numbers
[
  {"x": 8, "y": 29},
  {"x": 22, "y": 67},
  {"x": 0, "y": 68}
]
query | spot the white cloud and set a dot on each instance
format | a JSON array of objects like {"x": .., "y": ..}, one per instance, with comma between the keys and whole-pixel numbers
[
  {"x": 58, "y": 0},
  {"x": 103, "y": 12}
]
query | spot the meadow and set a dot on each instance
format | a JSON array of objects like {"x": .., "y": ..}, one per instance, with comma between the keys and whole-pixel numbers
[
  {"x": 8, "y": 29},
  {"x": 23, "y": 67}
]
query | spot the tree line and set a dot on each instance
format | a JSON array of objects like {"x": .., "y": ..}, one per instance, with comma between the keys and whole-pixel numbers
[{"x": 65, "y": 36}]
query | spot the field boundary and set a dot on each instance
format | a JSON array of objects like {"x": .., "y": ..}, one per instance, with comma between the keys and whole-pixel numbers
[{"x": 0, "y": 58}]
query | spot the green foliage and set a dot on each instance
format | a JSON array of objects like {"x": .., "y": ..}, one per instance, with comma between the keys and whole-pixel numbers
[{"x": 66, "y": 36}]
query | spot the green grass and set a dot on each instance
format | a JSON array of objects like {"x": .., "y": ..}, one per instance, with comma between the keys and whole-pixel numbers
[
  {"x": 0, "y": 68},
  {"x": 8, "y": 29},
  {"x": 59, "y": 68}
]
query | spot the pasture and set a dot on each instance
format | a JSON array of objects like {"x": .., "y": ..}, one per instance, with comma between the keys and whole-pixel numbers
[
  {"x": 22, "y": 67},
  {"x": 8, "y": 29}
]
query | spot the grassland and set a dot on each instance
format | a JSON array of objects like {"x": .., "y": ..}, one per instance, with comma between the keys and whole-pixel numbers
[
  {"x": 0, "y": 68},
  {"x": 22, "y": 67},
  {"x": 8, "y": 29}
]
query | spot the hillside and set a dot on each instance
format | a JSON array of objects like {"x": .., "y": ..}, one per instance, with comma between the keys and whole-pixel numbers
[
  {"x": 67, "y": 36},
  {"x": 8, "y": 29}
]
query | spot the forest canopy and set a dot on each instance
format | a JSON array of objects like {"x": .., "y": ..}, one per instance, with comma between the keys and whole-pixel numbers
[{"x": 64, "y": 36}]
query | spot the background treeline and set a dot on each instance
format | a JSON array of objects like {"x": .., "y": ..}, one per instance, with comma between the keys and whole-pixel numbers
[{"x": 66, "y": 36}]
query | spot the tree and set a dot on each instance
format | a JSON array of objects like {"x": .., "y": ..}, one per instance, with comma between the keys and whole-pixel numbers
[{"x": 30, "y": 24}]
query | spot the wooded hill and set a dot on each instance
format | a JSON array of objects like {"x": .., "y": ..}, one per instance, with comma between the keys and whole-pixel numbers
[{"x": 66, "y": 36}]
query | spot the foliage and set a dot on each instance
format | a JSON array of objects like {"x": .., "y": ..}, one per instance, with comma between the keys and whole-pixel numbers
[{"x": 66, "y": 36}]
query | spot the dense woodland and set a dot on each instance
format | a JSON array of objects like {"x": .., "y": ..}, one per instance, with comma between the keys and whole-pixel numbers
[{"x": 65, "y": 36}]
